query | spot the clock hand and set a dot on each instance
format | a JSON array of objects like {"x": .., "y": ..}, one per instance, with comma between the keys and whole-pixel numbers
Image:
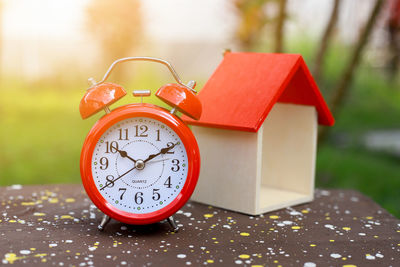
[
  {"x": 124, "y": 154},
  {"x": 113, "y": 181},
  {"x": 159, "y": 160},
  {"x": 162, "y": 151}
]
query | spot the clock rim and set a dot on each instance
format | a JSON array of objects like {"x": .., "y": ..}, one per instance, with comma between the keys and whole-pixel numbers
[{"x": 126, "y": 112}]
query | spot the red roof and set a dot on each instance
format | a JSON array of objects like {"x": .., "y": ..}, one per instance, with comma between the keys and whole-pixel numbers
[{"x": 245, "y": 86}]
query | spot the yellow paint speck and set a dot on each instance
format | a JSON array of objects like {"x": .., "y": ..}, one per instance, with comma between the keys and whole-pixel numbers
[
  {"x": 369, "y": 217},
  {"x": 39, "y": 255},
  {"x": 398, "y": 231},
  {"x": 53, "y": 200},
  {"x": 274, "y": 217},
  {"x": 39, "y": 214},
  {"x": 12, "y": 221},
  {"x": 33, "y": 249},
  {"x": 77, "y": 253},
  {"x": 349, "y": 265},
  {"x": 70, "y": 200},
  {"x": 305, "y": 211},
  {"x": 66, "y": 217},
  {"x": 208, "y": 215},
  {"x": 256, "y": 265},
  {"x": 344, "y": 258},
  {"x": 296, "y": 227},
  {"x": 11, "y": 257},
  {"x": 375, "y": 236},
  {"x": 244, "y": 256},
  {"x": 331, "y": 240},
  {"x": 275, "y": 261},
  {"x": 244, "y": 234},
  {"x": 28, "y": 203},
  {"x": 346, "y": 228},
  {"x": 313, "y": 245},
  {"x": 44, "y": 260},
  {"x": 210, "y": 261}
]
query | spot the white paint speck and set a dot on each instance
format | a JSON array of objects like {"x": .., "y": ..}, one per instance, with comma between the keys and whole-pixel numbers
[
  {"x": 188, "y": 263},
  {"x": 68, "y": 241},
  {"x": 238, "y": 261},
  {"x": 39, "y": 228},
  {"x": 336, "y": 255},
  {"x": 25, "y": 252},
  {"x": 124, "y": 263},
  {"x": 370, "y": 257},
  {"x": 309, "y": 264},
  {"x": 52, "y": 245},
  {"x": 92, "y": 248},
  {"x": 361, "y": 234},
  {"x": 379, "y": 255},
  {"x": 123, "y": 228},
  {"x": 329, "y": 226},
  {"x": 181, "y": 256},
  {"x": 16, "y": 187}
]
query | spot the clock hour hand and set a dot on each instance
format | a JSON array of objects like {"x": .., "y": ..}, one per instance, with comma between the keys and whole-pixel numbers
[
  {"x": 124, "y": 154},
  {"x": 162, "y": 151}
]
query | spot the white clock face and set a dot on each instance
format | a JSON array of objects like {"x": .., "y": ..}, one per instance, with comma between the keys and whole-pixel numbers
[{"x": 139, "y": 165}]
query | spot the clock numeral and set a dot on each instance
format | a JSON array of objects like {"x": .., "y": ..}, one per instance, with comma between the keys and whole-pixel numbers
[
  {"x": 143, "y": 129},
  {"x": 139, "y": 198},
  {"x": 111, "y": 147},
  {"x": 158, "y": 135},
  {"x": 122, "y": 195},
  {"x": 175, "y": 166},
  {"x": 123, "y": 134},
  {"x": 156, "y": 195},
  {"x": 103, "y": 163},
  {"x": 110, "y": 181},
  {"x": 169, "y": 144},
  {"x": 168, "y": 182}
]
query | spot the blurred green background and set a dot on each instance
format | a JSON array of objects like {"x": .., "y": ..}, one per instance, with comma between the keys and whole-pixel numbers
[{"x": 41, "y": 129}]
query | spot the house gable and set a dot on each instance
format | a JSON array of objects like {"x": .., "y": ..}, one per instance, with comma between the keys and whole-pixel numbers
[{"x": 245, "y": 87}]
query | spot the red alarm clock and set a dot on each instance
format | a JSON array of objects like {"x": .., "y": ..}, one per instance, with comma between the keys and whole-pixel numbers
[{"x": 140, "y": 163}]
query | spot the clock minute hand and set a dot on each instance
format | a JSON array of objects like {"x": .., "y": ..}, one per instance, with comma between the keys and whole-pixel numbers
[
  {"x": 116, "y": 179},
  {"x": 162, "y": 151}
]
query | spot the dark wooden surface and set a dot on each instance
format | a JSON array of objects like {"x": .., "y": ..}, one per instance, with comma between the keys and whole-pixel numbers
[{"x": 57, "y": 225}]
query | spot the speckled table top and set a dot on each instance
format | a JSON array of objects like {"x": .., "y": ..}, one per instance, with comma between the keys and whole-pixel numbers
[{"x": 57, "y": 225}]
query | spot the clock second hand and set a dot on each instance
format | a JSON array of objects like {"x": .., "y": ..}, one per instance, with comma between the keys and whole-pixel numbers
[{"x": 113, "y": 181}]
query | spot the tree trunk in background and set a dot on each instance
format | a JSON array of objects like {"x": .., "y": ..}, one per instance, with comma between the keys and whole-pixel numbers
[
  {"x": 325, "y": 41},
  {"x": 342, "y": 88},
  {"x": 278, "y": 46},
  {"x": 117, "y": 27},
  {"x": 252, "y": 19}
]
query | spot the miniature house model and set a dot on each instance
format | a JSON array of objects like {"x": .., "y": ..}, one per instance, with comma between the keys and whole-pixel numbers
[{"x": 258, "y": 133}]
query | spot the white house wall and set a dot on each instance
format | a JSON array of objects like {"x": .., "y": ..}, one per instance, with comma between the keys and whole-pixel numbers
[
  {"x": 289, "y": 148},
  {"x": 228, "y": 168}
]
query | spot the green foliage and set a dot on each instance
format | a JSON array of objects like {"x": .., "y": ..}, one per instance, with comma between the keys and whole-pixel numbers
[{"x": 42, "y": 132}]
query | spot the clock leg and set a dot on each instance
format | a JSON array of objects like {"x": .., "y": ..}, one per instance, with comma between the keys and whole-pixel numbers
[
  {"x": 173, "y": 224},
  {"x": 103, "y": 222}
]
